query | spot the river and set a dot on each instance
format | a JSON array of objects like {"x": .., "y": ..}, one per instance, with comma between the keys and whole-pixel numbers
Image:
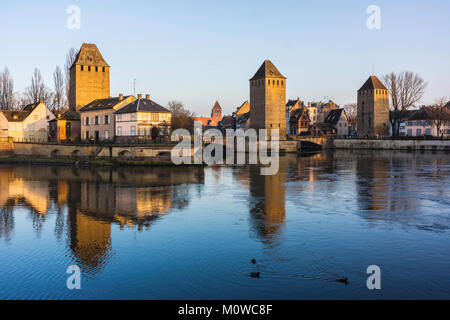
[{"x": 191, "y": 233}]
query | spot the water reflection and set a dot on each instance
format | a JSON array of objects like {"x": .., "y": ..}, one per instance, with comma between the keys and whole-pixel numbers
[
  {"x": 306, "y": 218},
  {"x": 94, "y": 199}
]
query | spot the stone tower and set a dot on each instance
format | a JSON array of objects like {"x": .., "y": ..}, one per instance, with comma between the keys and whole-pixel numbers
[
  {"x": 89, "y": 77},
  {"x": 268, "y": 100},
  {"x": 373, "y": 109},
  {"x": 216, "y": 112}
]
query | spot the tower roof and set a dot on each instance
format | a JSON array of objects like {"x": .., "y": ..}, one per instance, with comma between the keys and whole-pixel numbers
[
  {"x": 89, "y": 55},
  {"x": 373, "y": 83},
  {"x": 217, "y": 106},
  {"x": 267, "y": 69}
]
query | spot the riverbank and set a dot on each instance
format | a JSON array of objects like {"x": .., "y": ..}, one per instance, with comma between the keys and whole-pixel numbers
[{"x": 88, "y": 162}]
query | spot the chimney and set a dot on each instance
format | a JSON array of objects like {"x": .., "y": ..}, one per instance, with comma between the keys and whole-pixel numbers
[
  {"x": 139, "y": 96},
  {"x": 121, "y": 96},
  {"x": 147, "y": 96},
  {"x": 41, "y": 101}
]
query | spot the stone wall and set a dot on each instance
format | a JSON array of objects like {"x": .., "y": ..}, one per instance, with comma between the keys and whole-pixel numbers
[{"x": 434, "y": 145}]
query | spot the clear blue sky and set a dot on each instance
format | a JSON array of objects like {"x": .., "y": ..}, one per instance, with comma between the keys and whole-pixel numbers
[{"x": 202, "y": 51}]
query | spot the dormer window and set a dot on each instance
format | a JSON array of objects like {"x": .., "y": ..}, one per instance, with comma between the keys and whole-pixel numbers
[
  {"x": 89, "y": 68},
  {"x": 103, "y": 69},
  {"x": 82, "y": 68},
  {"x": 96, "y": 69}
]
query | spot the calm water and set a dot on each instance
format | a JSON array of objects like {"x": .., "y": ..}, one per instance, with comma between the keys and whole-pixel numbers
[{"x": 177, "y": 233}]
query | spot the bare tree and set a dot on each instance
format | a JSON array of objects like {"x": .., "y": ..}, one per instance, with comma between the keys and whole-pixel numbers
[
  {"x": 70, "y": 59},
  {"x": 351, "y": 110},
  {"x": 59, "y": 96},
  {"x": 7, "y": 96},
  {"x": 38, "y": 91},
  {"x": 181, "y": 117},
  {"x": 406, "y": 89},
  {"x": 441, "y": 114}
]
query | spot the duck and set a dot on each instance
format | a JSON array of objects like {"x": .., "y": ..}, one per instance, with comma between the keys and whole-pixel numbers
[
  {"x": 253, "y": 261},
  {"x": 255, "y": 275},
  {"x": 342, "y": 280}
]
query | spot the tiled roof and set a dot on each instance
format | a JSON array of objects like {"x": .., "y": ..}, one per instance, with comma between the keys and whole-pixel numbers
[
  {"x": 431, "y": 113},
  {"x": 217, "y": 106},
  {"x": 267, "y": 69},
  {"x": 103, "y": 104},
  {"x": 291, "y": 103},
  {"x": 334, "y": 116},
  {"x": 15, "y": 116},
  {"x": 89, "y": 55},
  {"x": 297, "y": 113},
  {"x": 372, "y": 83},
  {"x": 142, "y": 105}
]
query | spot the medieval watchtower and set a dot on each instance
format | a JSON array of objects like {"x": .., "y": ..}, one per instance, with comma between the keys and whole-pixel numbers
[
  {"x": 373, "y": 109},
  {"x": 268, "y": 100},
  {"x": 89, "y": 77}
]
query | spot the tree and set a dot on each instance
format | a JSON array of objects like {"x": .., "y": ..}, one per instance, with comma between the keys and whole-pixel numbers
[
  {"x": 181, "y": 117},
  {"x": 406, "y": 89},
  {"x": 351, "y": 110},
  {"x": 441, "y": 114},
  {"x": 59, "y": 96},
  {"x": 38, "y": 91},
  {"x": 70, "y": 59},
  {"x": 7, "y": 97}
]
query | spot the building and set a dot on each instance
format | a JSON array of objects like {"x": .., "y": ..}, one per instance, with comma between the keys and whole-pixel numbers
[
  {"x": 89, "y": 77},
  {"x": 142, "y": 120},
  {"x": 65, "y": 127},
  {"x": 28, "y": 124},
  {"x": 242, "y": 116},
  {"x": 291, "y": 105},
  {"x": 98, "y": 120},
  {"x": 268, "y": 100},
  {"x": 318, "y": 111},
  {"x": 373, "y": 109},
  {"x": 423, "y": 122},
  {"x": 299, "y": 121},
  {"x": 216, "y": 116},
  {"x": 339, "y": 120}
]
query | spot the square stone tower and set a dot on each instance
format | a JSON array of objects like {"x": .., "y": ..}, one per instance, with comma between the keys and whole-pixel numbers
[
  {"x": 89, "y": 77},
  {"x": 268, "y": 100},
  {"x": 373, "y": 109}
]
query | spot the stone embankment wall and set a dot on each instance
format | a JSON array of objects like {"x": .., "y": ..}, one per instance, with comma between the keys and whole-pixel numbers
[{"x": 433, "y": 145}]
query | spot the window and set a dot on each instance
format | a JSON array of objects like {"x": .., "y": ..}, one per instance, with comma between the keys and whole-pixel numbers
[
  {"x": 87, "y": 121},
  {"x": 119, "y": 117},
  {"x": 409, "y": 132},
  {"x": 269, "y": 82},
  {"x": 278, "y": 82},
  {"x": 133, "y": 116},
  {"x": 96, "y": 69},
  {"x": 106, "y": 135},
  {"x": 428, "y": 132},
  {"x": 119, "y": 131},
  {"x": 96, "y": 120},
  {"x": 82, "y": 68},
  {"x": 282, "y": 82},
  {"x": 87, "y": 135},
  {"x": 89, "y": 68},
  {"x": 418, "y": 132},
  {"x": 106, "y": 119},
  {"x": 103, "y": 69},
  {"x": 133, "y": 131}
]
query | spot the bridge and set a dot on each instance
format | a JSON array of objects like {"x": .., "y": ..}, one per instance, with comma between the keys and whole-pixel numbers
[{"x": 310, "y": 142}]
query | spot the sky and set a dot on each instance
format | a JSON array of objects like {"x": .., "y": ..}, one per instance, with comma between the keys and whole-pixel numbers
[{"x": 198, "y": 52}]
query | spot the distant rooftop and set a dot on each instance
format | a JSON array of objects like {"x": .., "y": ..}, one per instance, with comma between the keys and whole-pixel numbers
[{"x": 143, "y": 105}]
